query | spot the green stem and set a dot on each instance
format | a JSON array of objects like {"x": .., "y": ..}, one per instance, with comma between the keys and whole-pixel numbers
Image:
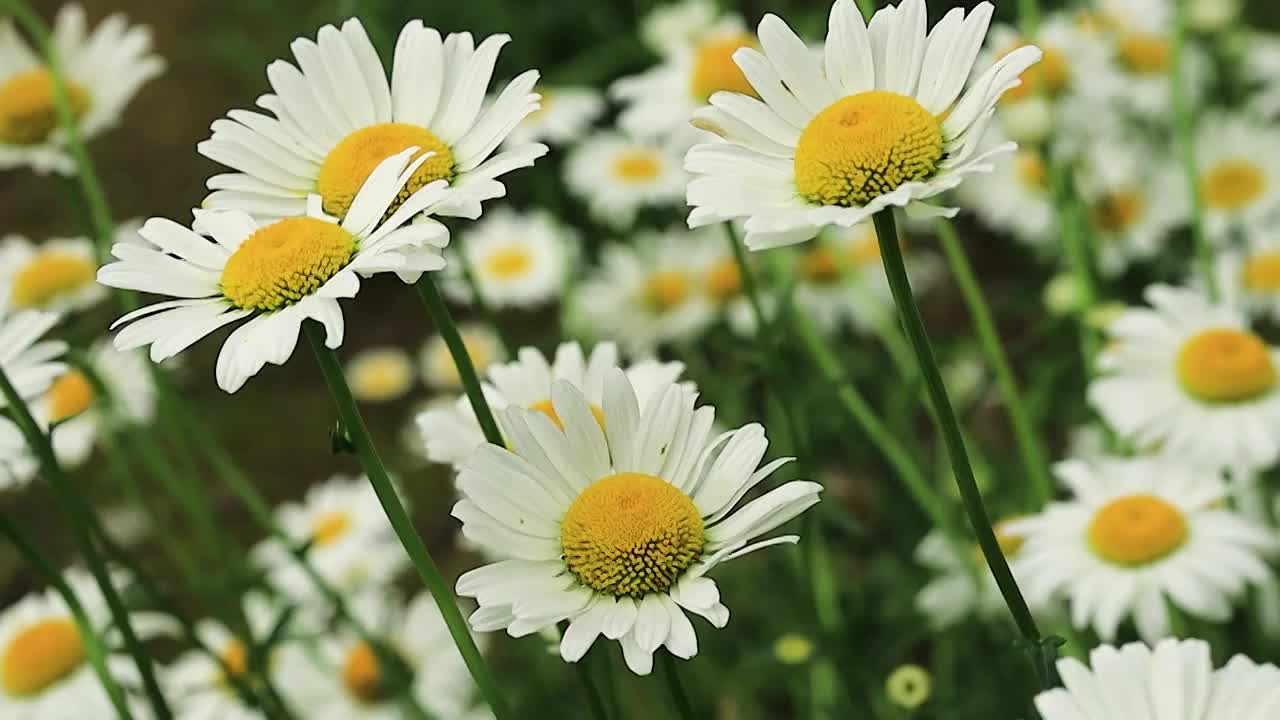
[
  {"x": 1072, "y": 230},
  {"x": 93, "y": 645},
  {"x": 748, "y": 278},
  {"x": 430, "y": 575},
  {"x": 83, "y": 526},
  {"x": 1033, "y": 455},
  {"x": 900, "y": 285},
  {"x": 1184, "y": 124},
  {"x": 448, "y": 329},
  {"x": 1029, "y": 18},
  {"x": 679, "y": 698}
]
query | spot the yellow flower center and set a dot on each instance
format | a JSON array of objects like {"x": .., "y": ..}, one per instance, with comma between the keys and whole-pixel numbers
[
  {"x": 380, "y": 376},
  {"x": 330, "y": 527},
  {"x": 509, "y": 262},
  {"x": 28, "y": 114},
  {"x": 714, "y": 69},
  {"x": 865, "y": 145},
  {"x": 546, "y": 408},
  {"x": 1116, "y": 212},
  {"x": 1225, "y": 365},
  {"x": 235, "y": 662},
  {"x": 1137, "y": 530},
  {"x": 40, "y": 655},
  {"x": 637, "y": 166},
  {"x": 1262, "y": 272},
  {"x": 1233, "y": 184},
  {"x": 1145, "y": 54},
  {"x": 362, "y": 675},
  {"x": 821, "y": 264},
  {"x": 631, "y": 534},
  {"x": 724, "y": 280},
  {"x": 354, "y": 159},
  {"x": 284, "y": 262},
  {"x": 49, "y": 276},
  {"x": 1049, "y": 77},
  {"x": 71, "y": 394},
  {"x": 1031, "y": 169},
  {"x": 666, "y": 289}
]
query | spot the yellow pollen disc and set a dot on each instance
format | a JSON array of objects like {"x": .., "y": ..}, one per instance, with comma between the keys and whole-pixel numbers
[
  {"x": 631, "y": 534},
  {"x": 1118, "y": 211},
  {"x": 821, "y": 264},
  {"x": 1049, "y": 77},
  {"x": 71, "y": 394},
  {"x": 284, "y": 262},
  {"x": 546, "y": 408},
  {"x": 1146, "y": 54},
  {"x": 28, "y": 114},
  {"x": 724, "y": 280},
  {"x": 41, "y": 655},
  {"x": 637, "y": 166},
  {"x": 362, "y": 676},
  {"x": 1262, "y": 272},
  {"x": 509, "y": 261},
  {"x": 48, "y": 276},
  {"x": 1233, "y": 185},
  {"x": 1225, "y": 365},
  {"x": 235, "y": 658},
  {"x": 354, "y": 159},
  {"x": 666, "y": 289},
  {"x": 714, "y": 69},
  {"x": 330, "y": 527},
  {"x": 1137, "y": 530},
  {"x": 865, "y": 145},
  {"x": 1031, "y": 169}
]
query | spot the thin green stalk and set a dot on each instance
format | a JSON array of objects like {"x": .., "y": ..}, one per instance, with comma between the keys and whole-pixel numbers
[
  {"x": 1184, "y": 125},
  {"x": 1079, "y": 255},
  {"x": 430, "y": 575},
  {"x": 1033, "y": 455},
  {"x": 83, "y": 524},
  {"x": 1029, "y": 18},
  {"x": 748, "y": 278},
  {"x": 900, "y": 285},
  {"x": 94, "y": 648},
  {"x": 679, "y": 698},
  {"x": 448, "y": 329}
]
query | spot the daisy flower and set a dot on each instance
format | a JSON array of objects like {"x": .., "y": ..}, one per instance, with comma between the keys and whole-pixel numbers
[
  {"x": 56, "y": 275},
  {"x": 1134, "y": 198},
  {"x": 617, "y": 176},
  {"x": 274, "y": 275},
  {"x": 1015, "y": 198},
  {"x": 879, "y": 121},
  {"x": 347, "y": 682},
  {"x": 564, "y": 115},
  {"x": 336, "y": 118},
  {"x": 1136, "y": 535},
  {"x": 380, "y": 374},
  {"x": 1239, "y": 182},
  {"x": 645, "y": 292},
  {"x": 953, "y": 595},
  {"x": 483, "y": 345},
  {"x": 450, "y": 430},
  {"x": 351, "y": 542},
  {"x": 30, "y": 363},
  {"x": 1172, "y": 680},
  {"x": 673, "y": 28},
  {"x": 1249, "y": 278},
  {"x": 103, "y": 69},
  {"x": 518, "y": 259},
  {"x": 611, "y": 519},
  {"x": 1026, "y": 111},
  {"x": 71, "y": 404},
  {"x": 1189, "y": 377}
]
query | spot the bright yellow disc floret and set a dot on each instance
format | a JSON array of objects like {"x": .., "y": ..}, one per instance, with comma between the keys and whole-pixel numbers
[
  {"x": 28, "y": 114},
  {"x": 1233, "y": 185},
  {"x": 1137, "y": 530},
  {"x": 41, "y": 655},
  {"x": 354, "y": 159},
  {"x": 71, "y": 394},
  {"x": 1262, "y": 272},
  {"x": 1225, "y": 365},
  {"x": 284, "y": 262},
  {"x": 714, "y": 69},
  {"x": 49, "y": 276}
]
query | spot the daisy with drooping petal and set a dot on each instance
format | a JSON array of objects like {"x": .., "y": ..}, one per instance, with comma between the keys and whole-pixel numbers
[
  {"x": 56, "y": 275},
  {"x": 610, "y": 518},
  {"x": 352, "y": 544},
  {"x": 517, "y": 259},
  {"x": 1188, "y": 377},
  {"x": 103, "y": 69},
  {"x": 618, "y": 176},
  {"x": 880, "y": 121},
  {"x": 646, "y": 293},
  {"x": 71, "y": 405},
  {"x": 335, "y": 118},
  {"x": 1239, "y": 181},
  {"x": 564, "y": 115},
  {"x": 1172, "y": 680},
  {"x": 439, "y": 371},
  {"x": 348, "y": 681},
  {"x": 380, "y": 374},
  {"x": 1016, "y": 198},
  {"x": 451, "y": 432},
  {"x": 1136, "y": 535},
  {"x": 963, "y": 586},
  {"x": 275, "y": 275}
]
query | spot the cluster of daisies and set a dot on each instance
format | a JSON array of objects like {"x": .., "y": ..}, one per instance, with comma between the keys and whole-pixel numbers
[{"x": 733, "y": 183}]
